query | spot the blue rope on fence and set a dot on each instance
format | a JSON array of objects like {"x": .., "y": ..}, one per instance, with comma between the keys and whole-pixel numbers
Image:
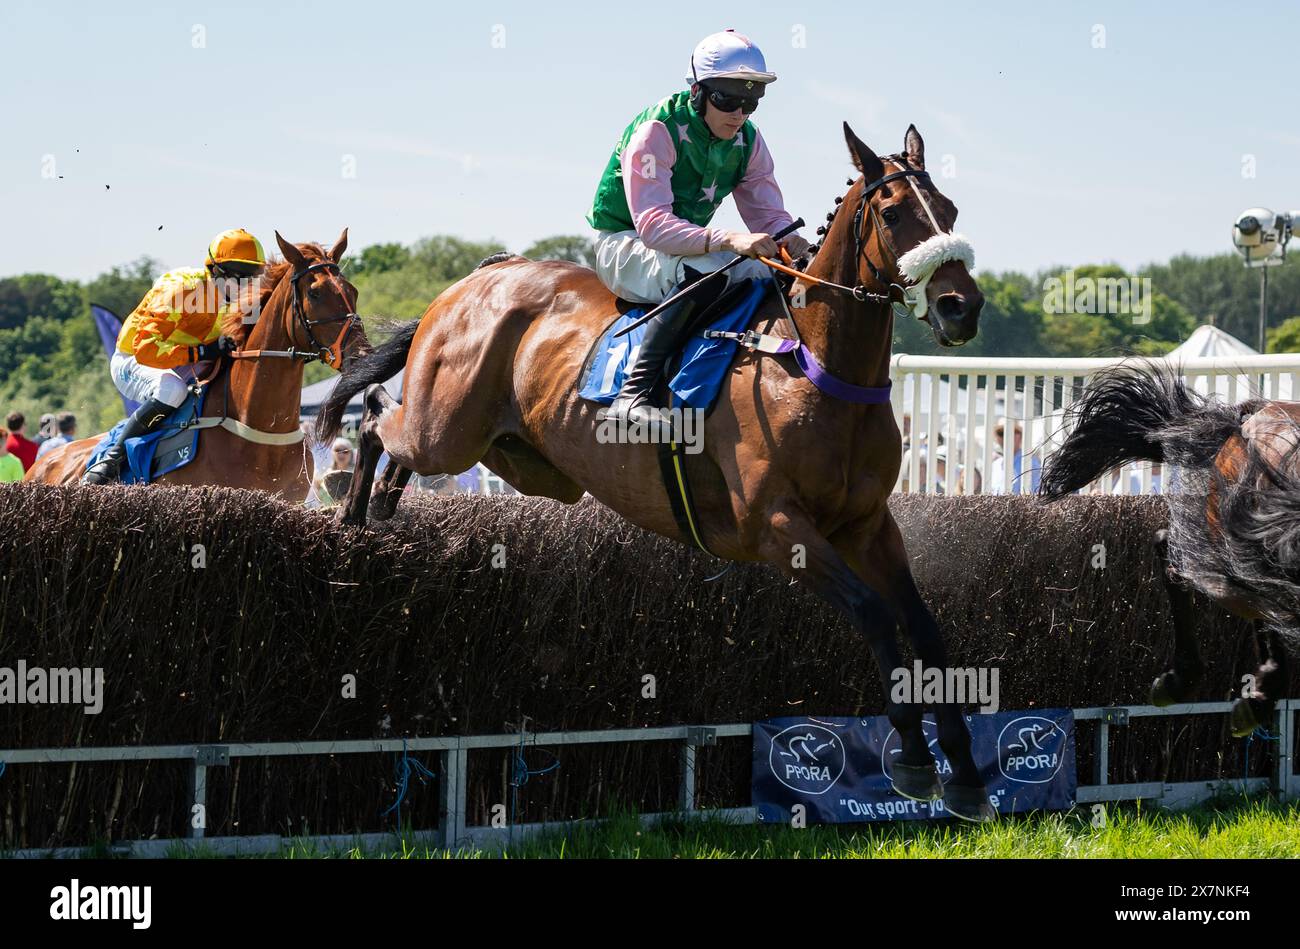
[
  {"x": 1262, "y": 734},
  {"x": 522, "y": 773},
  {"x": 3, "y": 765},
  {"x": 406, "y": 766}
]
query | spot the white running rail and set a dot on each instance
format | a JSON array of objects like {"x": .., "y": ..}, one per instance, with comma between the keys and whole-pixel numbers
[{"x": 958, "y": 404}]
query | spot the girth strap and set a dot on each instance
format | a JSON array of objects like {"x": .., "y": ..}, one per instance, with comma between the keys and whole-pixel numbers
[
  {"x": 255, "y": 435},
  {"x": 831, "y": 385},
  {"x": 672, "y": 467}
]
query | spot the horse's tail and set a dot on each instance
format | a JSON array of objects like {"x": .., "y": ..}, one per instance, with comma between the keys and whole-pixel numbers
[
  {"x": 376, "y": 366},
  {"x": 1137, "y": 411}
]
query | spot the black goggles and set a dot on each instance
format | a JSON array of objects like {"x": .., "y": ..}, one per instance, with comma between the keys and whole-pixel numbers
[{"x": 725, "y": 103}]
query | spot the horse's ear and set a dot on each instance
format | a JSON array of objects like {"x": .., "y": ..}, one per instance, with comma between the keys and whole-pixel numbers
[
  {"x": 291, "y": 253},
  {"x": 340, "y": 247},
  {"x": 864, "y": 159},
  {"x": 914, "y": 147}
]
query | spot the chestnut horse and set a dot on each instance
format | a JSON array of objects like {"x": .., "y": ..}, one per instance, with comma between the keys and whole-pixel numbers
[
  {"x": 789, "y": 474},
  {"x": 1234, "y": 526},
  {"x": 260, "y": 445}
]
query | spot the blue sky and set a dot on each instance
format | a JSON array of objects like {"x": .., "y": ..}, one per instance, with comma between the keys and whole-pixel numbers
[{"x": 496, "y": 119}]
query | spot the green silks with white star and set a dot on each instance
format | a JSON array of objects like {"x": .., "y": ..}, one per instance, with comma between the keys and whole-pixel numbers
[{"x": 707, "y": 169}]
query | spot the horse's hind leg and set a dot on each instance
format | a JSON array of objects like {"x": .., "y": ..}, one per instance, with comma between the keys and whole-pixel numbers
[
  {"x": 885, "y": 557},
  {"x": 1176, "y": 683},
  {"x": 388, "y": 491},
  {"x": 1254, "y": 708},
  {"x": 369, "y": 448}
]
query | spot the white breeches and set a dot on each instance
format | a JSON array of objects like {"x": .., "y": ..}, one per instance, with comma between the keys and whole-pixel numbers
[
  {"x": 635, "y": 272},
  {"x": 141, "y": 383}
]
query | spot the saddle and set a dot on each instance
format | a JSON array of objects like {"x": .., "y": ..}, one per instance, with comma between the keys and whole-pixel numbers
[
  {"x": 172, "y": 445},
  {"x": 694, "y": 376}
]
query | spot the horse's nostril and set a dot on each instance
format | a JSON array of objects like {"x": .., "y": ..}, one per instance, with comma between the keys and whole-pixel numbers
[{"x": 951, "y": 306}]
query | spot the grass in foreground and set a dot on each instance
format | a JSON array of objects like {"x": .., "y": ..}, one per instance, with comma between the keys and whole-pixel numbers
[{"x": 1233, "y": 828}]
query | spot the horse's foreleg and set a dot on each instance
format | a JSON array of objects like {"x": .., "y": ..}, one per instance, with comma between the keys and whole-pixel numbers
[
  {"x": 796, "y": 548},
  {"x": 1177, "y": 682},
  {"x": 884, "y": 560},
  {"x": 388, "y": 490},
  {"x": 1254, "y": 708},
  {"x": 369, "y": 448}
]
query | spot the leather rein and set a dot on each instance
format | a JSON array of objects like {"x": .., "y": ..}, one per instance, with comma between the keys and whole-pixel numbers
[
  {"x": 813, "y": 370},
  {"x": 860, "y": 291}
]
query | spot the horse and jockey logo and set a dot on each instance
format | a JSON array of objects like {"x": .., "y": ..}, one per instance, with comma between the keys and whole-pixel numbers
[
  {"x": 1031, "y": 749},
  {"x": 807, "y": 758}
]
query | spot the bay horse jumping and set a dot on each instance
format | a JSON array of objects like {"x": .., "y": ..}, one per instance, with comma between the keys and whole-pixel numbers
[
  {"x": 259, "y": 392},
  {"x": 799, "y": 454},
  {"x": 1234, "y": 524}
]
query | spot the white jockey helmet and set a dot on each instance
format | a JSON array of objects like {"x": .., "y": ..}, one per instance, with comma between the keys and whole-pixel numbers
[{"x": 728, "y": 55}]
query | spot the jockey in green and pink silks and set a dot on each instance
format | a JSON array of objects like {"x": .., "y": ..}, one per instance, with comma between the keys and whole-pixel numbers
[{"x": 667, "y": 176}]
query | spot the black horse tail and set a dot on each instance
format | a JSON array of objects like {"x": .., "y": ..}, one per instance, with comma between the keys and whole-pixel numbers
[
  {"x": 376, "y": 366},
  {"x": 1137, "y": 411}
]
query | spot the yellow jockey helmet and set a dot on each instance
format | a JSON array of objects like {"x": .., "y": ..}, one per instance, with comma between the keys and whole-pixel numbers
[{"x": 237, "y": 252}]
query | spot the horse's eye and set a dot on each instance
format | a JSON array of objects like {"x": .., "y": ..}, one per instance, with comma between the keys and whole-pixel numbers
[{"x": 890, "y": 216}]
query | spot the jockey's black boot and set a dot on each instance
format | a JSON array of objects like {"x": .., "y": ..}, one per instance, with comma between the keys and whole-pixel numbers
[
  {"x": 664, "y": 335},
  {"x": 143, "y": 421}
]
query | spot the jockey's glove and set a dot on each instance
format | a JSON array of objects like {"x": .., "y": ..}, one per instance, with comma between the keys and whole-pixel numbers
[{"x": 223, "y": 346}]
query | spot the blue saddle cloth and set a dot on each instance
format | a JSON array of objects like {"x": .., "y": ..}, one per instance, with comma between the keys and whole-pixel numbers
[
  {"x": 166, "y": 448},
  {"x": 703, "y": 363}
]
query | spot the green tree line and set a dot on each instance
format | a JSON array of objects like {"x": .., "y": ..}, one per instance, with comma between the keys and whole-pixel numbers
[{"x": 51, "y": 358}]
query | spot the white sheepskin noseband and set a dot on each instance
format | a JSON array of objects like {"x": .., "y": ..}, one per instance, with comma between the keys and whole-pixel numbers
[{"x": 919, "y": 264}]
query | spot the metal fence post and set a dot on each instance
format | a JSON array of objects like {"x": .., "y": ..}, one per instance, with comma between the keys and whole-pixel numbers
[
  {"x": 686, "y": 791},
  {"x": 1284, "y": 717},
  {"x": 199, "y": 799},
  {"x": 453, "y": 763},
  {"x": 696, "y": 735},
  {"x": 205, "y": 756},
  {"x": 1101, "y": 753}
]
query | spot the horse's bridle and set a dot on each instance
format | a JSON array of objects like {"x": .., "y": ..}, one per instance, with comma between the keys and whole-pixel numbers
[
  {"x": 330, "y": 355},
  {"x": 864, "y": 204},
  {"x": 912, "y": 295}
]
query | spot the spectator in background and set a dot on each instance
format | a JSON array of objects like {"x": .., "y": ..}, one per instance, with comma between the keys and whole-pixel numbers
[
  {"x": 48, "y": 429},
  {"x": 21, "y": 447},
  {"x": 332, "y": 484},
  {"x": 1021, "y": 467},
  {"x": 11, "y": 469},
  {"x": 66, "y": 426}
]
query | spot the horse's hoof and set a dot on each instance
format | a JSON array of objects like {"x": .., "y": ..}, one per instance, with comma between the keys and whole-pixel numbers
[
  {"x": 918, "y": 782},
  {"x": 1243, "y": 718},
  {"x": 969, "y": 804},
  {"x": 346, "y": 518},
  {"x": 1166, "y": 690},
  {"x": 381, "y": 509}
]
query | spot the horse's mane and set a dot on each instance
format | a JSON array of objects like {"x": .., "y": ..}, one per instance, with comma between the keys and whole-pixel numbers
[{"x": 233, "y": 323}]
